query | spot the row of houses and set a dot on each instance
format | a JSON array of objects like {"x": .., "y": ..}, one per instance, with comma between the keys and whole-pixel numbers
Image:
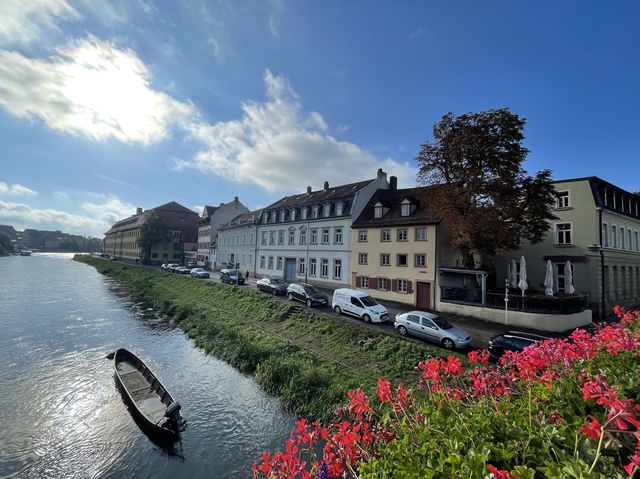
[{"x": 373, "y": 236}]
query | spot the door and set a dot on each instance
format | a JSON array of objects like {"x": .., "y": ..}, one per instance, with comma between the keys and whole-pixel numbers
[
  {"x": 356, "y": 307},
  {"x": 413, "y": 323},
  {"x": 290, "y": 269},
  {"x": 423, "y": 295},
  {"x": 430, "y": 330}
]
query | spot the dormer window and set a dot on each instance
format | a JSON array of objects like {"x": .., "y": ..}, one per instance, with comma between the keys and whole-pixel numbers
[
  {"x": 282, "y": 215},
  {"x": 304, "y": 212},
  {"x": 405, "y": 208},
  {"x": 339, "y": 207},
  {"x": 314, "y": 213},
  {"x": 377, "y": 212},
  {"x": 292, "y": 216},
  {"x": 327, "y": 209}
]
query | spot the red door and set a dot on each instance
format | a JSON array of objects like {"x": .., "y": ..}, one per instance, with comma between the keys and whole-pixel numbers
[{"x": 423, "y": 295}]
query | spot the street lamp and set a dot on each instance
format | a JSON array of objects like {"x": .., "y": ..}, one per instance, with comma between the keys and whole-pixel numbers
[{"x": 506, "y": 300}]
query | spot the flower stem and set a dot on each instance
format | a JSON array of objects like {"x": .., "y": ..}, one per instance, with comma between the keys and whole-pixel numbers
[{"x": 595, "y": 459}]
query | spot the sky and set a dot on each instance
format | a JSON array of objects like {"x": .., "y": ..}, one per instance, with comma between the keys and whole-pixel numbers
[{"x": 107, "y": 106}]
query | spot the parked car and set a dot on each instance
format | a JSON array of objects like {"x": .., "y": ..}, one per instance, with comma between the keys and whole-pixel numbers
[
  {"x": 307, "y": 293},
  {"x": 231, "y": 276},
  {"x": 171, "y": 267},
  {"x": 432, "y": 327},
  {"x": 163, "y": 267},
  {"x": 182, "y": 270},
  {"x": 200, "y": 273},
  {"x": 273, "y": 286},
  {"x": 512, "y": 341},
  {"x": 359, "y": 304}
]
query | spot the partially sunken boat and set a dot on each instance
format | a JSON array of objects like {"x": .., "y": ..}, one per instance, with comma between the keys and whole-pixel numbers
[{"x": 148, "y": 396}]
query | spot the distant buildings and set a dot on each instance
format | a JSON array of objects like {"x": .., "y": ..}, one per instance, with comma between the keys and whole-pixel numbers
[
  {"x": 237, "y": 242},
  {"x": 122, "y": 239},
  {"x": 211, "y": 219},
  {"x": 56, "y": 241}
]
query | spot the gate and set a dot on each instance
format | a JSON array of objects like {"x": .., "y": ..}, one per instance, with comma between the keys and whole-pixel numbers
[
  {"x": 290, "y": 269},
  {"x": 423, "y": 295}
]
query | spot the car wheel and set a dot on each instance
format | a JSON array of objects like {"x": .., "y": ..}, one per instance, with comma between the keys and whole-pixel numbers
[
  {"x": 366, "y": 318},
  {"x": 337, "y": 310},
  {"x": 402, "y": 330},
  {"x": 309, "y": 302},
  {"x": 447, "y": 343},
  {"x": 290, "y": 296},
  {"x": 275, "y": 292}
]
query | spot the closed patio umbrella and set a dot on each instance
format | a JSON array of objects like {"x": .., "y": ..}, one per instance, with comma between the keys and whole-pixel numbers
[
  {"x": 548, "y": 279},
  {"x": 568, "y": 278},
  {"x": 522, "y": 284},
  {"x": 513, "y": 277}
]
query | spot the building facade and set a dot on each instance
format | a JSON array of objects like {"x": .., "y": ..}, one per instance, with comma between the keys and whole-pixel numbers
[
  {"x": 237, "y": 242},
  {"x": 306, "y": 237},
  {"x": 598, "y": 230},
  {"x": 394, "y": 247},
  {"x": 211, "y": 219},
  {"x": 121, "y": 241}
]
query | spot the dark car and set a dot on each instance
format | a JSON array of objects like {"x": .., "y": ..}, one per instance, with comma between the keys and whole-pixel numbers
[
  {"x": 273, "y": 286},
  {"x": 512, "y": 341},
  {"x": 231, "y": 276},
  {"x": 307, "y": 293}
]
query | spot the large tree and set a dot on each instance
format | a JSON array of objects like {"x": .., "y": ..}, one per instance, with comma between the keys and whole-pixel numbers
[
  {"x": 153, "y": 231},
  {"x": 482, "y": 192},
  {"x": 5, "y": 244}
]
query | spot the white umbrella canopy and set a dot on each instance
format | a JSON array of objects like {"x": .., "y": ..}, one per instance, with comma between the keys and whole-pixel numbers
[
  {"x": 522, "y": 284},
  {"x": 568, "y": 278},
  {"x": 548, "y": 279},
  {"x": 513, "y": 277}
]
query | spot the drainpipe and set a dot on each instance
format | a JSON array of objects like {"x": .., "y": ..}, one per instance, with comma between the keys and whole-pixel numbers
[
  {"x": 436, "y": 274},
  {"x": 602, "y": 278},
  {"x": 306, "y": 261}
]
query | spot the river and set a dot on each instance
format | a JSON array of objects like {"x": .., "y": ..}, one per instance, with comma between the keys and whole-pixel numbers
[{"x": 61, "y": 415}]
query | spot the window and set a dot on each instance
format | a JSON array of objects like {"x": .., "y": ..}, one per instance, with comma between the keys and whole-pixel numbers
[
  {"x": 605, "y": 235},
  {"x": 337, "y": 269},
  {"x": 337, "y": 236},
  {"x": 314, "y": 213},
  {"x": 402, "y": 286},
  {"x": 314, "y": 236},
  {"x": 405, "y": 209},
  {"x": 363, "y": 258},
  {"x": 339, "y": 208},
  {"x": 364, "y": 282},
  {"x": 327, "y": 209},
  {"x": 282, "y": 215},
  {"x": 301, "y": 266},
  {"x": 401, "y": 260},
  {"x": 377, "y": 212},
  {"x": 382, "y": 283},
  {"x": 312, "y": 266},
  {"x": 630, "y": 242},
  {"x": 303, "y": 236},
  {"x": 270, "y": 262},
  {"x": 324, "y": 267},
  {"x": 385, "y": 259},
  {"x": 562, "y": 199},
  {"x": 292, "y": 237},
  {"x": 421, "y": 234},
  {"x": 262, "y": 262},
  {"x": 304, "y": 213},
  {"x": 614, "y": 236},
  {"x": 402, "y": 234},
  {"x": 362, "y": 236},
  {"x": 293, "y": 215},
  {"x": 280, "y": 237},
  {"x": 420, "y": 260},
  {"x": 385, "y": 236},
  {"x": 622, "y": 237},
  {"x": 560, "y": 276},
  {"x": 279, "y": 263},
  {"x": 637, "y": 241},
  {"x": 325, "y": 235},
  {"x": 563, "y": 233},
  {"x": 272, "y": 237}
]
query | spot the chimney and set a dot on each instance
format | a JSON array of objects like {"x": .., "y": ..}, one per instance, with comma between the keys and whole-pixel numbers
[
  {"x": 138, "y": 211},
  {"x": 308, "y": 189},
  {"x": 381, "y": 174},
  {"x": 326, "y": 185},
  {"x": 393, "y": 182},
  {"x": 235, "y": 200},
  {"x": 221, "y": 203}
]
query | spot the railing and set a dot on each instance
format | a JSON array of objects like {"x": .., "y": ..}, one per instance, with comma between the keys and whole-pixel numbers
[{"x": 530, "y": 303}]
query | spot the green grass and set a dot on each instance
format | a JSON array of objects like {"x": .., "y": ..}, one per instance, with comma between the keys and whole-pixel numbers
[{"x": 308, "y": 358}]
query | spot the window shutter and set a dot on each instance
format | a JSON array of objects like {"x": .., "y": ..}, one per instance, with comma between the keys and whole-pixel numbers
[
  {"x": 358, "y": 281},
  {"x": 394, "y": 285},
  {"x": 373, "y": 283},
  {"x": 409, "y": 287},
  {"x": 388, "y": 284}
]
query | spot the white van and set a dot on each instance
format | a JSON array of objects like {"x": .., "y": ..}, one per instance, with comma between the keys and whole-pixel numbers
[{"x": 360, "y": 304}]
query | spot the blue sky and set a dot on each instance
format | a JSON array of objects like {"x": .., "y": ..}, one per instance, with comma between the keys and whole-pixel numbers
[{"x": 105, "y": 106}]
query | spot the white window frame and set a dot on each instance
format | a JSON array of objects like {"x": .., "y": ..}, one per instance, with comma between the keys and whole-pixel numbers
[
  {"x": 362, "y": 236},
  {"x": 614, "y": 236},
  {"x": 637, "y": 238},
  {"x": 402, "y": 286},
  {"x": 326, "y": 236},
  {"x": 292, "y": 237},
  {"x": 388, "y": 258},
  {"x": 279, "y": 263},
  {"x": 303, "y": 236},
  {"x": 423, "y": 262},
  {"x": 385, "y": 236},
  {"x": 364, "y": 282},
  {"x": 337, "y": 235},
  {"x": 337, "y": 269},
  {"x": 280, "y": 237},
  {"x": 382, "y": 284},
  {"x": 313, "y": 266},
  {"x": 605, "y": 235},
  {"x": 563, "y": 195},
  {"x": 377, "y": 212},
  {"x": 314, "y": 236},
  {"x": 301, "y": 266},
  {"x": 629, "y": 239},
  {"x": 402, "y": 234},
  {"x": 558, "y": 231},
  {"x": 324, "y": 267},
  {"x": 419, "y": 229},
  {"x": 363, "y": 258},
  {"x": 270, "y": 262},
  {"x": 339, "y": 208},
  {"x": 405, "y": 208}
]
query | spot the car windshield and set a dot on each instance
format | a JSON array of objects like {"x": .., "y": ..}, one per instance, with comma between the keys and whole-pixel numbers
[
  {"x": 233, "y": 272},
  {"x": 311, "y": 289},
  {"x": 442, "y": 323},
  {"x": 368, "y": 301},
  {"x": 277, "y": 281}
]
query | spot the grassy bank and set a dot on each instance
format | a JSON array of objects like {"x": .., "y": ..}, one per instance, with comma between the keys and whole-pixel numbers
[{"x": 308, "y": 358}]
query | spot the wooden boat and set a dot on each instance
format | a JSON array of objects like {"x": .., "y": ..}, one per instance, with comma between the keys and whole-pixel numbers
[{"x": 148, "y": 396}]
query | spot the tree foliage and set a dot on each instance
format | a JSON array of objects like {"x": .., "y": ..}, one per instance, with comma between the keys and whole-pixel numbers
[
  {"x": 5, "y": 243},
  {"x": 484, "y": 195},
  {"x": 153, "y": 231}
]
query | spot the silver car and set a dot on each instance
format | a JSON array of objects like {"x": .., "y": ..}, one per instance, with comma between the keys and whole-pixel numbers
[
  {"x": 199, "y": 273},
  {"x": 432, "y": 327}
]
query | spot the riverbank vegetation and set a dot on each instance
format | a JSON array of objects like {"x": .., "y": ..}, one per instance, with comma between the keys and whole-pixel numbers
[
  {"x": 309, "y": 358},
  {"x": 565, "y": 408}
]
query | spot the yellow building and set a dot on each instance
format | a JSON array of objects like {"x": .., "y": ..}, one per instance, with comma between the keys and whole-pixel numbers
[{"x": 394, "y": 248}]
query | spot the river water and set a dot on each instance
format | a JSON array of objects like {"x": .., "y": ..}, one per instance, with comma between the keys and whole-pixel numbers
[{"x": 61, "y": 415}]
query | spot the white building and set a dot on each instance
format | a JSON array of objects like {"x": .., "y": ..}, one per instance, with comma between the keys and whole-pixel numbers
[
  {"x": 306, "y": 237},
  {"x": 211, "y": 219},
  {"x": 237, "y": 242}
]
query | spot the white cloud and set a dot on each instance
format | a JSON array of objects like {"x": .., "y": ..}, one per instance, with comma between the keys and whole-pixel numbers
[
  {"x": 25, "y": 21},
  {"x": 93, "y": 89},
  {"x": 279, "y": 147},
  {"x": 110, "y": 209},
  {"x": 15, "y": 190}
]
